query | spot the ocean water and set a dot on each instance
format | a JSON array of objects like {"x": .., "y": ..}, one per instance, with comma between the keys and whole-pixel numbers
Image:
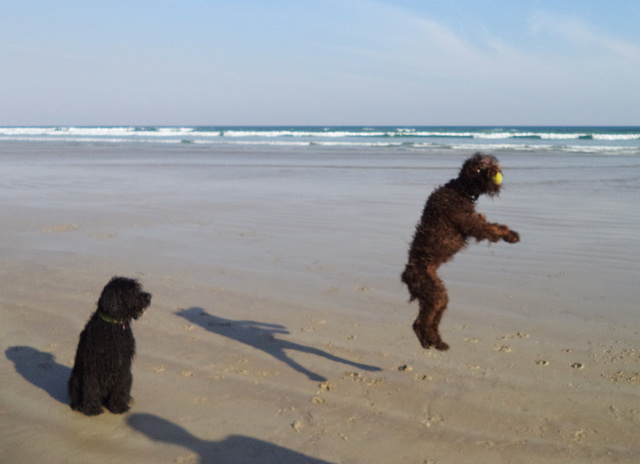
[{"x": 600, "y": 140}]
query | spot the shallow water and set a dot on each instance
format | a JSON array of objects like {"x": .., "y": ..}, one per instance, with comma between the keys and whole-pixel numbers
[{"x": 577, "y": 214}]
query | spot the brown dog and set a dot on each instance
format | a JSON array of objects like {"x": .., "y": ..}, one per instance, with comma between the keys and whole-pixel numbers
[{"x": 449, "y": 219}]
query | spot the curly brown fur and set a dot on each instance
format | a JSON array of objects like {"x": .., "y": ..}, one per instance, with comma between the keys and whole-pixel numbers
[
  {"x": 449, "y": 219},
  {"x": 101, "y": 374}
]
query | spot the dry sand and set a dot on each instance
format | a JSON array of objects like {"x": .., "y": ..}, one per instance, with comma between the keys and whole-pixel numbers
[{"x": 279, "y": 330}]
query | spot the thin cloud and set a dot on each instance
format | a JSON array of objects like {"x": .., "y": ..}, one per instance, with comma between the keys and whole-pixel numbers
[{"x": 580, "y": 33}]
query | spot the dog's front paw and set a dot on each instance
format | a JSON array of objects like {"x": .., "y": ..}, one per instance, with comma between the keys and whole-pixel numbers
[
  {"x": 89, "y": 409},
  {"x": 118, "y": 408},
  {"x": 512, "y": 237}
]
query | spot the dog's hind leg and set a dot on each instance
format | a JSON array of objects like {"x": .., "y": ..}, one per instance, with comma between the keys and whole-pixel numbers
[
  {"x": 441, "y": 304},
  {"x": 433, "y": 302},
  {"x": 75, "y": 391}
]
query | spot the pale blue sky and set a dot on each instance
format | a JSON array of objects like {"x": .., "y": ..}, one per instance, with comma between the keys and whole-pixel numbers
[{"x": 320, "y": 62}]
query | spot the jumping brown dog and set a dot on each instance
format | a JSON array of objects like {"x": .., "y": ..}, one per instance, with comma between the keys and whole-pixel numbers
[{"x": 449, "y": 219}]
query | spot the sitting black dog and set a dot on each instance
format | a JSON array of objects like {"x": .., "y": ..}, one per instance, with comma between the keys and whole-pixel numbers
[
  {"x": 101, "y": 374},
  {"x": 449, "y": 219}
]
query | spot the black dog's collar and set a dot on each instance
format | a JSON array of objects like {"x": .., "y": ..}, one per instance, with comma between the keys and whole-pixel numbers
[
  {"x": 456, "y": 184},
  {"x": 112, "y": 320},
  {"x": 472, "y": 198}
]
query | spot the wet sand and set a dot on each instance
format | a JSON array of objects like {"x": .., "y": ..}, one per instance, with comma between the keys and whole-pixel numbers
[{"x": 279, "y": 330}]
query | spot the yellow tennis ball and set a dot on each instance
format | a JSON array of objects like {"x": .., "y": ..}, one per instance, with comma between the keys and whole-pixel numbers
[{"x": 497, "y": 179}]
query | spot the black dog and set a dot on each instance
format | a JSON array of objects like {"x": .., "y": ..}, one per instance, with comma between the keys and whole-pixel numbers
[
  {"x": 449, "y": 219},
  {"x": 101, "y": 374}
]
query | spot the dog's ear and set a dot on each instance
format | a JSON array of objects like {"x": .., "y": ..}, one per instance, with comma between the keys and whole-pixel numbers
[
  {"x": 110, "y": 302},
  {"x": 471, "y": 167}
]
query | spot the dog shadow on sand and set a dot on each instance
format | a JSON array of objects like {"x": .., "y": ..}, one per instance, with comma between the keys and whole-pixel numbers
[
  {"x": 262, "y": 336},
  {"x": 42, "y": 370},
  {"x": 234, "y": 448}
]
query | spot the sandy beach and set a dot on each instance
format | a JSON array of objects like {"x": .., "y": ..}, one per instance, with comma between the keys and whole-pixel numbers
[{"x": 279, "y": 330}]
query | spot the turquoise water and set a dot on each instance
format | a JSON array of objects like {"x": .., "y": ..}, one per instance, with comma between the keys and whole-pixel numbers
[{"x": 599, "y": 140}]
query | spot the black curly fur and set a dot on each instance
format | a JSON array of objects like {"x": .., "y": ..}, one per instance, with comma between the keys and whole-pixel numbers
[
  {"x": 449, "y": 219},
  {"x": 101, "y": 374}
]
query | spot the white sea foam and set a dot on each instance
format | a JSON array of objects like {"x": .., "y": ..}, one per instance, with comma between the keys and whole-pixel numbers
[
  {"x": 617, "y": 136},
  {"x": 583, "y": 139},
  {"x": 299, "y": 133},
  {"x": 272, "y": 143}
]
